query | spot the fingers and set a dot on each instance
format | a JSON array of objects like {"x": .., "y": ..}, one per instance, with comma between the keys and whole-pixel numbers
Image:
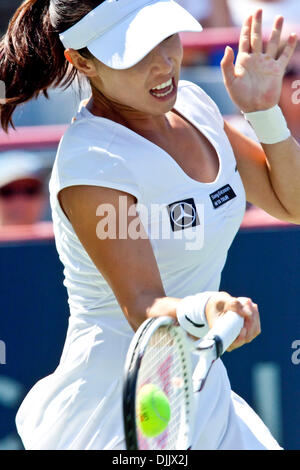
[
  {"x": 288, "y": 51},
  {"x": 251, "y": 34},
  {"x": 252, "y": 327},
  {"x": 256, "y": 40},
  {"x": 227, "y": 66},
  {"x": 251, "y": 37},
  {"x": 240, "y": 305},
  {"x": 249, "y": 311},
  {"x": 245, "y": 44},
  {"x": 222, "y": 302},
  {"x": 274, "y": 41}
]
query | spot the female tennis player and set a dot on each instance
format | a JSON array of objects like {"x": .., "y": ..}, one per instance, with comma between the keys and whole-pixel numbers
[{"x": 144, "y": 140}]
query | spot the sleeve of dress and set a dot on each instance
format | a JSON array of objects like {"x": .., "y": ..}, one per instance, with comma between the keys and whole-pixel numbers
[
  {"x": 81, "y": 163},
  {"x": 202, "y": 101}
]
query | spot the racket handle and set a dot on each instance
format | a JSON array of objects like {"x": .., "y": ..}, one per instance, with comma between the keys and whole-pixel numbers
[{"x": 225, "y": 330}]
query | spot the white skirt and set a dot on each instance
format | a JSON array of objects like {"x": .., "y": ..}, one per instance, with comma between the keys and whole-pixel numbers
[{"x": 79, "y": 406}]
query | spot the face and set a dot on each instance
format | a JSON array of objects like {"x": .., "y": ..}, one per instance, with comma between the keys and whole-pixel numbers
[
  {"x": 22, "y": 202},
  {"x": 160, "y": 67}
]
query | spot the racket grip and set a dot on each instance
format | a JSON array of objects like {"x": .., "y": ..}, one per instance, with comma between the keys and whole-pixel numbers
[{"x": 225, "y": 330}]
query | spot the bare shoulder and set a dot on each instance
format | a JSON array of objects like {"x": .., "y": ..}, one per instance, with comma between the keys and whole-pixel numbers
[{"x": 84, "y": 199}]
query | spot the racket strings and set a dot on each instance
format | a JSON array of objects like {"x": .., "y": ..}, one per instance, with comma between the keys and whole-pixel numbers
[{"x": 163, "y": 365}]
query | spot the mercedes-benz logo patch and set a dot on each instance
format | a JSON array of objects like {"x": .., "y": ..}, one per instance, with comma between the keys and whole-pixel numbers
[{"x": 183, "y": 214}]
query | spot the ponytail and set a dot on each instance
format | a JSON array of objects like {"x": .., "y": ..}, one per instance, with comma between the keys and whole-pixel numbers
[{"x": 31, "y": 58}]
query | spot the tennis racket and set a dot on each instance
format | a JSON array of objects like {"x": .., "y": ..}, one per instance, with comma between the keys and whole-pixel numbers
[{"x": 159, "y": 354}]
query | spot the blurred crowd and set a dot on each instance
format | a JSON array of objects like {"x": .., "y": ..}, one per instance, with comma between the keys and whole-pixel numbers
[
  {"x": 23, "y": 186},
  {"x": 222, "y": 13},
  {"x": 211, "y": 13}
]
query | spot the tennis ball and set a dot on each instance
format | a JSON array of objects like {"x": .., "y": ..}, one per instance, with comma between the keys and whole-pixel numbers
[{"x": 153, "y": 410}]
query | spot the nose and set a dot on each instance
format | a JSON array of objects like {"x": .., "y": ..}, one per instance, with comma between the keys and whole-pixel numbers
[{"x": 162, "y": 58}]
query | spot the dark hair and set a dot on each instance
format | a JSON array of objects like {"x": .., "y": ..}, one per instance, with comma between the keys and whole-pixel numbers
[{"x": 31, "y": 53}]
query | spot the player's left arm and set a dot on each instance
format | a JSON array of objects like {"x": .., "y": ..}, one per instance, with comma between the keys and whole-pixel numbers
[{"x": 270, "y": 174}]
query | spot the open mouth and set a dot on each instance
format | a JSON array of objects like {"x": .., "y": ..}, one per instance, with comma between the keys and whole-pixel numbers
[{"x": 165, "y": 90}]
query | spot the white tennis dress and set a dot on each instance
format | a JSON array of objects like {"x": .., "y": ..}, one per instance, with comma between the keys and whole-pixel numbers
[{"x": 79, "y": 406}]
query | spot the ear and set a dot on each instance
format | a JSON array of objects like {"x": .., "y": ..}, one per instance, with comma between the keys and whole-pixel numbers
[
  {"x": 68, "y": 56},
  {"x": 86, "y": 66}
]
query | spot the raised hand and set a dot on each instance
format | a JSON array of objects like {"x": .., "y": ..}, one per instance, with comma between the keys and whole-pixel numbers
[{"x": 254, "y": 82}]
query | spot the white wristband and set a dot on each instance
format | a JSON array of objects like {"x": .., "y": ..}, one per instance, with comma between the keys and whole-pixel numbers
[
  {"x": 270, "y": 126},
  {"x": 191, "y": 313}
]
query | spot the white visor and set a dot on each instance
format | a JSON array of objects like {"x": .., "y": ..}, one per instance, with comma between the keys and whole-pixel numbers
[{"x": 120, "y": 33}]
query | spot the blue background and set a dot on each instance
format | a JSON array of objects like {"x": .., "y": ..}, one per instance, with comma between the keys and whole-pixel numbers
[{"x": 262, "y": 264}]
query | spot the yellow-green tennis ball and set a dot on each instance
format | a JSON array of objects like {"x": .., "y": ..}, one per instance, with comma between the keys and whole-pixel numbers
[{"x": 153, "y": 410}]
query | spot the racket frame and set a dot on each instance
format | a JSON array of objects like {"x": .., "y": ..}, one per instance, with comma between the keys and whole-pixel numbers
[
  {"x": 134, "y": 358},
  {"x": 209, "y": 348}
]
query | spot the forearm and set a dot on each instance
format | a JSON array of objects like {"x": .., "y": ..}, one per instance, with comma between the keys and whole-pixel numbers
[
  {"x": 283, "y": 163},
  {"x": 190, "y": 314},
  {"x": 254, "y": 82},
  {"x": 150, "y": 305},
  {"x": 202, "y": 309}
]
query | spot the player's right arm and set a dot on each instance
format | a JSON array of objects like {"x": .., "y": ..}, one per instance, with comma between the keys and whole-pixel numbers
[{"x": 129, "y": 265}]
